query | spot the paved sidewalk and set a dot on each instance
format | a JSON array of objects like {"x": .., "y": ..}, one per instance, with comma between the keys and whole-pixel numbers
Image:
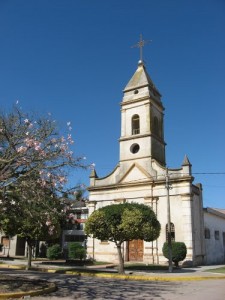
[{"x": 198, "y": 273}]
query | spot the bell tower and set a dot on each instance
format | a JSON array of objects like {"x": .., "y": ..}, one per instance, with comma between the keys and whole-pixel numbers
[{"x": 142, "y": 128}]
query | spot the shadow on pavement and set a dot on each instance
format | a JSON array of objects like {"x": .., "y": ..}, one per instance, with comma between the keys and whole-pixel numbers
[{"x": 92, "y": 288}]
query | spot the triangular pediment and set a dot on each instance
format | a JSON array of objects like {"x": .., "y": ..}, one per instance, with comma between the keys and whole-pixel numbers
[{"x": 135, "y": 174}]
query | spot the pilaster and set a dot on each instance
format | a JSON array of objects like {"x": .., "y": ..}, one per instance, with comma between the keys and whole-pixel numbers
[
  {"x": 151, "y": 253},
  {"x": 187, "y": 203},
  {"x": 91, "y": 241}
]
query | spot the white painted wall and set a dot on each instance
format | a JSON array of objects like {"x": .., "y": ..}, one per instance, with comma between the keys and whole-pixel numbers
[{"x": 215, "y": 249}]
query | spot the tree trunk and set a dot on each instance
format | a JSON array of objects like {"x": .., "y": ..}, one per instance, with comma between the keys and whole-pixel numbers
[
  {"x": 29, "y": 245},
  {"x": 121, "y": 261}
]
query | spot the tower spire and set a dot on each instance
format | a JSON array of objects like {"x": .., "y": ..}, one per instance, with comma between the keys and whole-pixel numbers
[{"x": 140, "y": 45}]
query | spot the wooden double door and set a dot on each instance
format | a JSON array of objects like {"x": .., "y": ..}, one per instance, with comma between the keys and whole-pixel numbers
[{"x": 135, "y": 250}]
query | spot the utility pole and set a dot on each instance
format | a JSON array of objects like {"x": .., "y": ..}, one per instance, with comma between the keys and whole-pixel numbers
[{"x": 168, "y": 187}]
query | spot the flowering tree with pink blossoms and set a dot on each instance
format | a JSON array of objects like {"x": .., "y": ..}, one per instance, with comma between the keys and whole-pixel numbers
[{"x": 35, "y": 161}]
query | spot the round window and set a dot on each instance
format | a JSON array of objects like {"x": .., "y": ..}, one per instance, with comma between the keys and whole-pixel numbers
[{"x": 134, "y": 148}]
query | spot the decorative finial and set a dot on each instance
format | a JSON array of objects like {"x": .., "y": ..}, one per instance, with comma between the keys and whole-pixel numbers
[
  {"x": 140, "y": 45},
  {"x": 186, "y": 161}
]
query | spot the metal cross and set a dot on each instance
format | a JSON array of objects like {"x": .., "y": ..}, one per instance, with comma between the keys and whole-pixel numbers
[{"x": 140, "y": 45}]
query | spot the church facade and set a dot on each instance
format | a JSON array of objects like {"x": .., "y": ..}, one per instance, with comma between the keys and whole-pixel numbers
[{"x": 141, "y": 176}]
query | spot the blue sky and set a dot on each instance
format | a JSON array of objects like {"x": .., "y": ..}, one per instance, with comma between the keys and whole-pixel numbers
[{"x": 73, "y": 58}]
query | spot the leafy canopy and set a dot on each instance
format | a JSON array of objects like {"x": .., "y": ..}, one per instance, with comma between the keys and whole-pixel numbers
[
  {"x": 31, "y": 146},
  {"x": 35, "y": 160},
  {"x": 123, "y": 222}
]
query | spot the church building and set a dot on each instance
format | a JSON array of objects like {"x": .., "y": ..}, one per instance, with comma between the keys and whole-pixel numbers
[{"x": 142, "y": 176}]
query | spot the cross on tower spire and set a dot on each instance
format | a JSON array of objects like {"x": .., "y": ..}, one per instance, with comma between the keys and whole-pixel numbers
[{"x": 140, "y": 45}]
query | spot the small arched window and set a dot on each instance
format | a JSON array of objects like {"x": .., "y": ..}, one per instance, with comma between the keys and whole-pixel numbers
[
  {"x": 135, "y": 124},
  {"x": 172, "y": 229}
]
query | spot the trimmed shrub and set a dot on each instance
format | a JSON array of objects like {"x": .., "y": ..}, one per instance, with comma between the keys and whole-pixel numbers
[
  {"x": 76, "y": 251},
  {"x": 179, "y": 251},
  {"x": 54, "y": 252}
]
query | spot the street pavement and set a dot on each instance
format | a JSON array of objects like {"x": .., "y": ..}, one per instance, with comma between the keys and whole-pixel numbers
[{"x": 185, "y": 284}]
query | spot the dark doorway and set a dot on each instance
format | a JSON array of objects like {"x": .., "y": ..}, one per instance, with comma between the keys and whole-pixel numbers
[{"x": 20, "y": 246}]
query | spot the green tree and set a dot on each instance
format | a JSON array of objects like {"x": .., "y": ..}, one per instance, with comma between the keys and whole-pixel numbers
[
  {"x": 32, "y": 212},
  {"x": 179, "y": 252},
  {"x": 123, "y": 222}
]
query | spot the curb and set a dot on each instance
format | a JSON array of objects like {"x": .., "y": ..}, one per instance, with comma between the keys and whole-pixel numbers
[
  {"x": 51, "y": 288},
  {"x": 119, "y": 276},
  {"x": 17, "y": 267},
  {"x": 144, "y": 278},
  {"x": 131, "y": 277}
]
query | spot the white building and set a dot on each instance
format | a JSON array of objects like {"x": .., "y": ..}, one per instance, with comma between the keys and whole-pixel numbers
[
  {"x": 12, "y": 246},
  {"x": 214, "y": 221},
  {"x": 74, "y": 228},
  {"x": 141, "y": 175}
]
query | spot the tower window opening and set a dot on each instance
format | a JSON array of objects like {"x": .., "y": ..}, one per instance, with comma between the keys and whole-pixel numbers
[
  {"x": 134, "y": 148},
  {"x": 156, "y": 126},
  {"x": 135, "y": 124},
  {"x": 172, "y": 228}
]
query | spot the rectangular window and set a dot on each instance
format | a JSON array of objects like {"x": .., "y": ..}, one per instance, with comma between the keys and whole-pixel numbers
[
  {"x": 84, "y": 216},
  {"x": 207, "y": 233},
  {"x": 80, "y": 226},
  {"x": 104, "y": 242},
  {"x": 78, "y": 215},
  {"x": 217, "y": 235},
  {"x": 74, "y": 238}
]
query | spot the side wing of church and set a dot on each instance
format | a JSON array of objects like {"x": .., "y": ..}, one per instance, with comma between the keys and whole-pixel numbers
[{"x": 140, "y": 176}]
